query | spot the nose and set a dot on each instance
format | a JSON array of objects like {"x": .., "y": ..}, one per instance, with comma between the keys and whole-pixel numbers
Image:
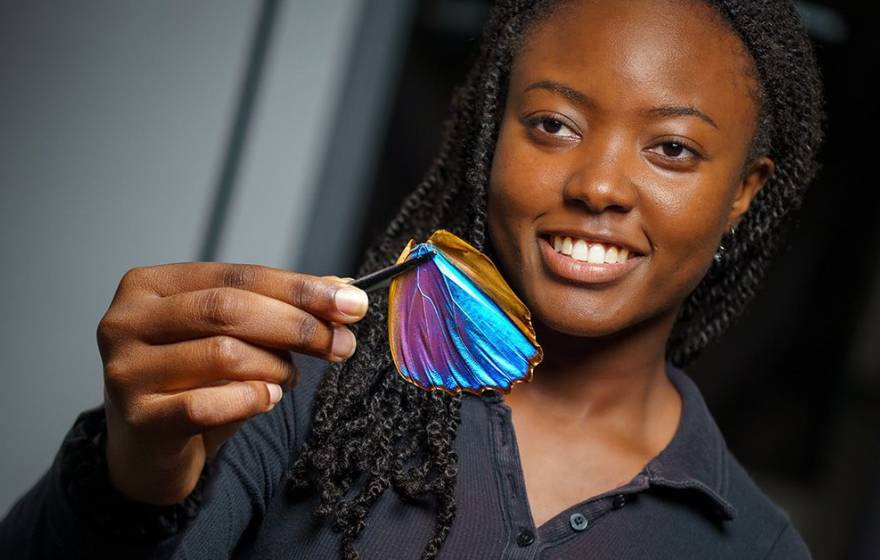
[{"x": 600, "y": 180}]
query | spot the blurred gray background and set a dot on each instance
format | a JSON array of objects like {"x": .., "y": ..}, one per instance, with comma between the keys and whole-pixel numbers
[
  {"x": 284, "y": 133},
  {"x": 137, "y": 133}
]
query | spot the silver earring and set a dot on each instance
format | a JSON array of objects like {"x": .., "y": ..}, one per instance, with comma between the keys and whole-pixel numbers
[{"x": 719, "y": 254}]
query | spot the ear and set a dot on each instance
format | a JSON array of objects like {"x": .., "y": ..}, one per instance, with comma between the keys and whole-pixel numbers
[{"x": 760, "y": 170}]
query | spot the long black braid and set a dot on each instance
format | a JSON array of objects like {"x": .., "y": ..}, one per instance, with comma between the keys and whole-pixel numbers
[{"x": 372, "y": 430}]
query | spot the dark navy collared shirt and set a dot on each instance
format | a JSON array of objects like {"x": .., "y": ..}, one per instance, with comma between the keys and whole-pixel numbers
[{"x": 693, "y": 500}]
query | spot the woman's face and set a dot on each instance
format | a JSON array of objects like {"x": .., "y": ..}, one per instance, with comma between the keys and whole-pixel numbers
[{"x": 626, "y": 129}]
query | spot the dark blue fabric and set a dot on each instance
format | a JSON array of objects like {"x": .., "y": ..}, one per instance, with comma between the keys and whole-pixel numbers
[{"x": 693, "y": 500}]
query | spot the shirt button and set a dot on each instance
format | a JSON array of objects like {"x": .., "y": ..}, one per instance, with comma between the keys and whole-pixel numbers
[
  {"x": 578, "y": 522},
  {"x": 525, "y": 537},
  {"x": 619, "y": 501}
]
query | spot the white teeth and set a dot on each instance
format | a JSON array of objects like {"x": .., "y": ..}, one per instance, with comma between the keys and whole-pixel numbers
[
  {"x": 596, "y": 254},
  {"x": 579, "y": 251},
  {"x": 611, "y": 255},
  {"x": 566, "y": 246}
]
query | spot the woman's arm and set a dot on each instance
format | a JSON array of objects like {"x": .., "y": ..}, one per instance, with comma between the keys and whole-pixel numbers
[
  {"x": 191, "y": 351},
  {"x": 74, "y": 511}
]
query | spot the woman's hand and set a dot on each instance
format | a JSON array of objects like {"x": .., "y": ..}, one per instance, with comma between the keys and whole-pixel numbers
[{"x": 191, "y": 350}]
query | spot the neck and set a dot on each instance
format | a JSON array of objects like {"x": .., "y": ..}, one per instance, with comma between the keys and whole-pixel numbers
[{"x": 584, "y": 378}]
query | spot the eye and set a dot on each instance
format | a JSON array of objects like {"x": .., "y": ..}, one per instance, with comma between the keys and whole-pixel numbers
[
  {"x": 677, "y": 151},
  {"x": 673, "y": 149},
  {"x": 550, "y": 126}
]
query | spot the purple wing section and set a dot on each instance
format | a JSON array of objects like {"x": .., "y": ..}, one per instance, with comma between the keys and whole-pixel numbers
[{"x": 446, "y": 332}]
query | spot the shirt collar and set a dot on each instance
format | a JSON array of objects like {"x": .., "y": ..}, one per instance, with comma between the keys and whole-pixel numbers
[{"x": 696, "y": 458}]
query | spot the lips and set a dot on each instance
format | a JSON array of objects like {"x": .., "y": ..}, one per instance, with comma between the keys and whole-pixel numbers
[{"x": 590, "y": 262}]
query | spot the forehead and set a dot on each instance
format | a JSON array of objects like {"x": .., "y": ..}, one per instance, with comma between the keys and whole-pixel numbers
[{"x": 645, "y": 51}]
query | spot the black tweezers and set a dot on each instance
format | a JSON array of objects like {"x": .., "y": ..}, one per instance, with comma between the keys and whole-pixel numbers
[{"x": 376, "y": 279}]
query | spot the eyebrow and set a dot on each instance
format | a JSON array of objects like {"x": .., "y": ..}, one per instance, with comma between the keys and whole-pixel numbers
[
  {"x": 565, "y": 91},
  {"x": 582, "y": 99},
  {"x": 681, "y": 111}
]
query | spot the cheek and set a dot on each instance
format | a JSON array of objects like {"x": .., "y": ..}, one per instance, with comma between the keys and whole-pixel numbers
[
  {"x": 685, "y": 224},
  {"x": 519, "y": 191},
  {"x": 524, "y": 181}
]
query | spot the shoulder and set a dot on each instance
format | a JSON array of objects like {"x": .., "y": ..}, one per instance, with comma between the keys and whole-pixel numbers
[
  {"x": 758, "y": 515},
  {"x": 755, "y": 526}
]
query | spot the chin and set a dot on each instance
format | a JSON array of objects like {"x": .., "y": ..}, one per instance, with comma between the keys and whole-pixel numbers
[{"x": 566, "y": 320}]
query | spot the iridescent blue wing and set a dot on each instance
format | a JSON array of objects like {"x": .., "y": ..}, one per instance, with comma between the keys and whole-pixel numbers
[{"x": 446, "y": 332}]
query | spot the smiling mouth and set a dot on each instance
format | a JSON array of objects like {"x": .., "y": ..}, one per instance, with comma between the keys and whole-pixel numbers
[
  {"x": 585, "y": 261},
  {"x": 589, "y": 251}
]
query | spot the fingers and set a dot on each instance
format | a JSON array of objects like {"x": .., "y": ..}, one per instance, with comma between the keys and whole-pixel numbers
[
  {"x": 208, "y": 361},
  {"x": 262, "y": 319},
  {"x": 206, "y": 408},
  {"x": 198, "y": 348},
  {"x": 326, "y": 297},
  {"x": 249, "y": 316}
]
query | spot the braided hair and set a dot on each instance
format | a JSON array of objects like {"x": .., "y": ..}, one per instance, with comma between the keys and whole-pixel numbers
[{"x": 371, "y": 430}]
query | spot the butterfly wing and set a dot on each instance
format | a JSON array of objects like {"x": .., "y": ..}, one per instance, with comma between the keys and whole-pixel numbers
[
  {"x": 445, "y": 331},
  {"x": 481, "y": 270}
]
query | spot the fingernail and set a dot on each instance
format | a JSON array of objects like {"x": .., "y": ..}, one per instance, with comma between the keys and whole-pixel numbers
[
  {"x": 351, "y": 301},
  {"x": 275, "y": 393},
  {"x": 344, "y": 343}
]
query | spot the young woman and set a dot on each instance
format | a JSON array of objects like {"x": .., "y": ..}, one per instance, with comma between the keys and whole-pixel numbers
[{"x": 628, "y": 166}]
